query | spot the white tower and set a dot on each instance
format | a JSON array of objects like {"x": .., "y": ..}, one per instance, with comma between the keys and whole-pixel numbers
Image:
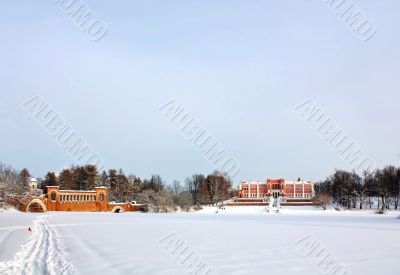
[{"x": 33, "y": 185}]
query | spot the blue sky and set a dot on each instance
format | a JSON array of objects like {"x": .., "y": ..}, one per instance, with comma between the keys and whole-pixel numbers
[{"x": 239, "y": 67}]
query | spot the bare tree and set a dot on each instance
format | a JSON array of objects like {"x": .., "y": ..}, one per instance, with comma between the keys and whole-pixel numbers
[
  {"x": 193, "y": 185},
  {"x": 23, "y": 181},
  {"x": 176, "y": 188},
  {"x": 135, "y": 184},
  {"x": 185, "y": 201},
  {"x": 370, "y": 183},
  {"x": 219, "y": 186},
  {"x": 395, "y": 190},
  {"x": 385, "y": 178}
]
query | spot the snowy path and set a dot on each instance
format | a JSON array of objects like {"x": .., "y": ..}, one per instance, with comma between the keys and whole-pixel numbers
[{"x": 42, "y": 254}]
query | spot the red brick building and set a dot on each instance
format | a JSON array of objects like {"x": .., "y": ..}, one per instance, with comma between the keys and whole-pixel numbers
[
  {"x": 78, "y": 201},
  {"x": 276, "y": 188}
]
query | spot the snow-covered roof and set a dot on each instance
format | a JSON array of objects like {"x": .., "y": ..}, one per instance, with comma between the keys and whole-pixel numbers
[{"x": 33, "y": 180}]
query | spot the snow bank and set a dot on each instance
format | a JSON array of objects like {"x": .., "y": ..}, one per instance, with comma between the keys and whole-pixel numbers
[
  {"x": 290, "y": 210},
  {"x": 7, "y": 208}
]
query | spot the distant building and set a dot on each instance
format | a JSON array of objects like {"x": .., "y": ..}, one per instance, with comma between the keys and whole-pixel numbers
[
  {"x": 276, "y": 188},
  {"x": 33, "y": 185}
]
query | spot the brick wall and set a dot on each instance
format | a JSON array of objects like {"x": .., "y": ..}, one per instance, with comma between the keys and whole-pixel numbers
[{"x": 79, "y": 201}]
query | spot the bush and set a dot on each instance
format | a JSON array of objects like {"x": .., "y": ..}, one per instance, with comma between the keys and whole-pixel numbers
[
  {"x": 157, "y": 202},
  {"x": 322, "y": 200},
  {"x": 5, "y": 207},
  {"x": 197, "y": 207}
]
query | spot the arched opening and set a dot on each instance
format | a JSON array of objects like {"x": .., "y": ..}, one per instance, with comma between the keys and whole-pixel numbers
[
  {"x": 117, "y": 209},
  {"x": 53, "y": 196},
  {"x": 36, "y": 205}
]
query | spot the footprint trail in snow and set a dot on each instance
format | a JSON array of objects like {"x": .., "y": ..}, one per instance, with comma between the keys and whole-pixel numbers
[{"x": 43, "y": 253}]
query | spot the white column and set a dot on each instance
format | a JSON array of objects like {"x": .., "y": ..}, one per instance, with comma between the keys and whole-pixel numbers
[
  {"x": 258, "y": 192},
  {"x": 312, "y": 190},
  {"x": 303, "y": 188},
  {"x": 249, "y": 189},
  {"x": 294, "y": 189}
]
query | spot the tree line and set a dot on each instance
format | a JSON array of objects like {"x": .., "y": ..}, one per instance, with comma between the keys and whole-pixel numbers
[
  {"x": 197, "y": 190},
  {"x": 377, "y": 189}
]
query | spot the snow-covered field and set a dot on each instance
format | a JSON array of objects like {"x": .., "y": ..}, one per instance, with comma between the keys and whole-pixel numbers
[{"x": 237, "y": 240}]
